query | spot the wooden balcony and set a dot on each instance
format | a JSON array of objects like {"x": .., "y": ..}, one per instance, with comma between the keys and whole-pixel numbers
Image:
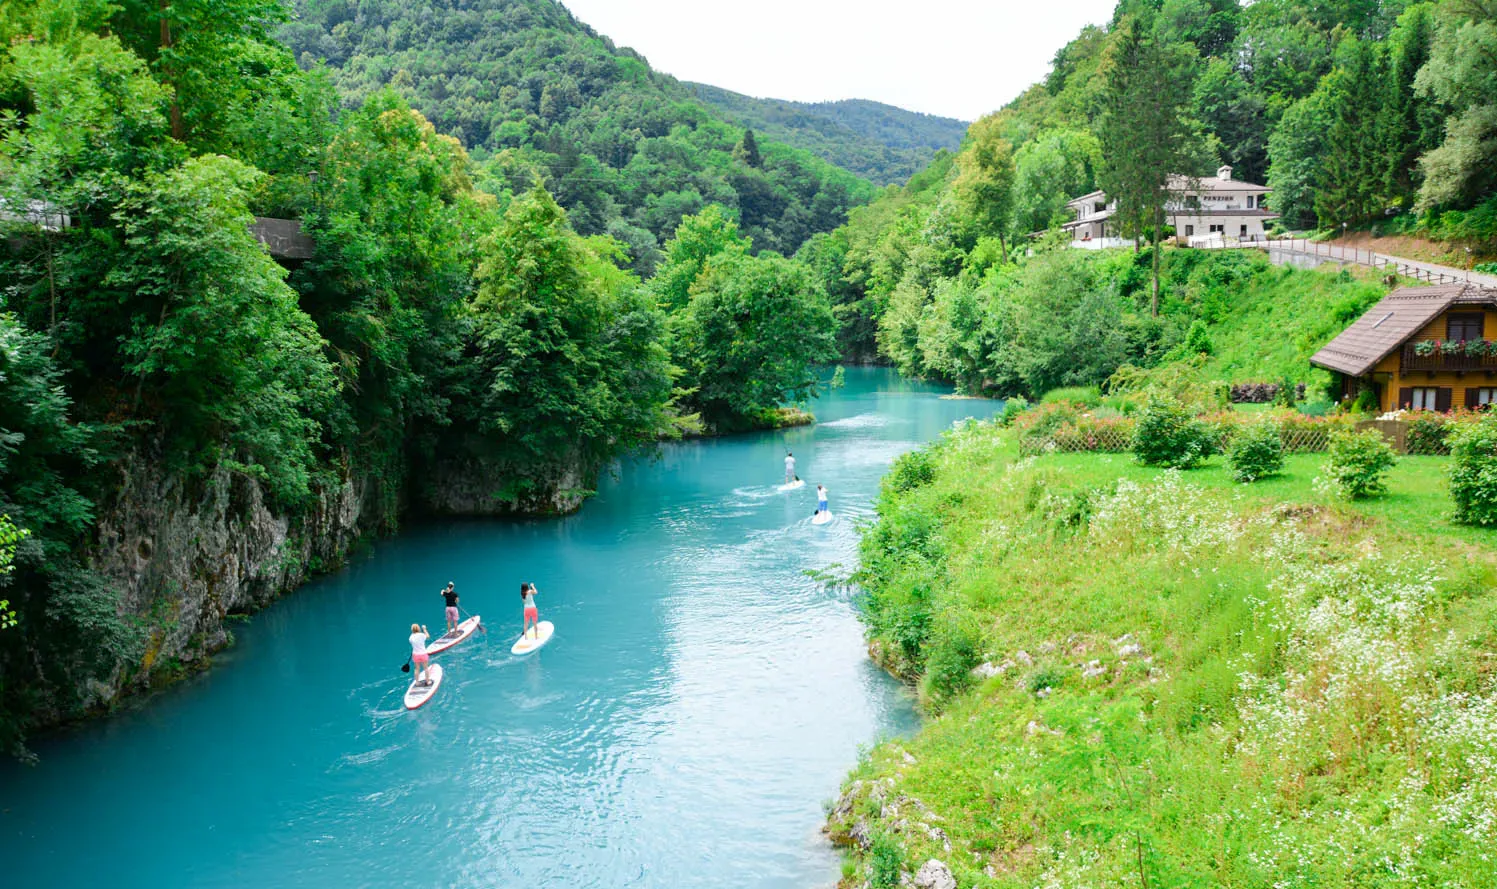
[{"x": 1442, "y": 363}]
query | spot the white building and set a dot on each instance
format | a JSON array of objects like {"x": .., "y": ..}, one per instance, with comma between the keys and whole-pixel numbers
[{"x": 1217, "y": 208}]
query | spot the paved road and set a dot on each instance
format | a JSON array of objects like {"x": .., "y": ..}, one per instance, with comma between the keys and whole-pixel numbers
[{"x": 1424, "y": 271}]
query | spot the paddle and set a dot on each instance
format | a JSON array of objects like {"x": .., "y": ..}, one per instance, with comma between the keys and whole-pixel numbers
[
  {"x": 481, "y": 628},
  {"x": 407, "y": 667}
]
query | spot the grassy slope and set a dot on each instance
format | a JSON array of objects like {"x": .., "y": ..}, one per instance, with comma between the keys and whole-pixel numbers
[
  {"x": 1266, "y": 321},
  {"x": 1312, "y": 699}
]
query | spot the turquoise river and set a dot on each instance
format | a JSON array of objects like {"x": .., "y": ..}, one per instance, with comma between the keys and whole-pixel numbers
[{"x": 700, "y": 702}]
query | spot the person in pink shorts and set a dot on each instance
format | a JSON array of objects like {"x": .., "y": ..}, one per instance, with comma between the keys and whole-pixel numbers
[
  {"x": 419, "y": 657},
  {"x": 450, "y": 595},
  {"x": 532, "y": 614}
]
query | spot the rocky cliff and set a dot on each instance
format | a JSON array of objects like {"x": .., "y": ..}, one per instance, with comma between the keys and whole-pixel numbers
[{"x": 184, "y": 555}]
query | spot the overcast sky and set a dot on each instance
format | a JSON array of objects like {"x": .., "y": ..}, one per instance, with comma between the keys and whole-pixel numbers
[{"x": 957, "y": 58}]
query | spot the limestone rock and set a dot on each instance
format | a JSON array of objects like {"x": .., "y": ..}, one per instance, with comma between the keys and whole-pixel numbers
[{"x": 934, "y": 874}]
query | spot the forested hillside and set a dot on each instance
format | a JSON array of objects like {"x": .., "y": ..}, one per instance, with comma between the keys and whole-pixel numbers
[
  {"x": 1363, "y": 113},
  {"x": 536, "y": 95},
  {"x": 879, "y": 142},
  {"x": 189, "y": 428}
]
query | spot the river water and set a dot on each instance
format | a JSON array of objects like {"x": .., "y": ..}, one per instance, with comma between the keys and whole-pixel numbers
[{"x": 700, "y": 701}]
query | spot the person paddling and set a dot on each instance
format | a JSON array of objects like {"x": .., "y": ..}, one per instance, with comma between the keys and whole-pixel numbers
[
  {"x": 790, "y": 476},
  {"x": 532, "y": 614},
  {"x": 450, "y": 595},
  {"x": 821, "y": 498},
  {"x": 419, "y": 657}
]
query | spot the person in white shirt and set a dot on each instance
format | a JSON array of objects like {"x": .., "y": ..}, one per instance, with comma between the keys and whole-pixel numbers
[
  {"x": 821, "y": 498},
  {"x": 419, "y": 657},
  {"x": 789, "y": 467}
]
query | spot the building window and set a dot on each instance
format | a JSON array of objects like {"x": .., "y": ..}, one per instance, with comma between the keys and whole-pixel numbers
[
  {"x": 1218, "y": 229},
  {"x": 1463, "y": 326},
  {"x": 1252, "y": 201},
  {"x": 1244, "y": 230},
  {"x": 1099, "y": 206},
  {"x": 1481, "y": 399},
  {"x": 1189, "y": 230},
  {"x": 1425, "y": 399}
]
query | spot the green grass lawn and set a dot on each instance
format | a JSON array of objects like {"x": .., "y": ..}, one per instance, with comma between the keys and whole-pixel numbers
[{"x": 1185, "y": 681}]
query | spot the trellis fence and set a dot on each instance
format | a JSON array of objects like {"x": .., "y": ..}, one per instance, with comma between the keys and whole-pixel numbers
[{"x": 1308, "y": 435}]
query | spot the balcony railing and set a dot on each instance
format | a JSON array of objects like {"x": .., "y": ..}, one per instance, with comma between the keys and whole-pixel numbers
[{"x": 1439, "y": 361}]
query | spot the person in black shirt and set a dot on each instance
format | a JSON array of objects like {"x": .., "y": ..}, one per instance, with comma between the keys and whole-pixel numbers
[{"x": 450, "y": 595}]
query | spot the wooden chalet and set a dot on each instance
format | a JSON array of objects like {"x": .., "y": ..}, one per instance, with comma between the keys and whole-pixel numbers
[{"x": 1421, "y": 348}]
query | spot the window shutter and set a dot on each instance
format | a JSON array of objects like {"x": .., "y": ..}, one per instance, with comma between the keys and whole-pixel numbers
[
  {"x": 1442, "y": 398},
  {"x": 1405, "y": 397},
  {"x": 1473, "y": 397}
]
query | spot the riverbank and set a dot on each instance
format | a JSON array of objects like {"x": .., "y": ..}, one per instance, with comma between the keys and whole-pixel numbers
[{"x": 1136, "y": 674}]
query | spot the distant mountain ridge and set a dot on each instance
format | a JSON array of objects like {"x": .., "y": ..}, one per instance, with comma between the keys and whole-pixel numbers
[
  {"x": 883, "y": 143},
  {"x": 534, "y": 93}
]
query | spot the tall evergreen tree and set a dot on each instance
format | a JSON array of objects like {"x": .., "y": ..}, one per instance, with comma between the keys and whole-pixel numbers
[{"x": 1148, "y": 139}]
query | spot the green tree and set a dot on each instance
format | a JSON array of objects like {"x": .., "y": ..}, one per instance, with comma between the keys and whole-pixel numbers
[
  {"x": 1049, "y": 170},
  {"x": 568, "y": 362},
  {"x": 1234, "y": 112},
  {"x": 985, "y": 178},
  {"x": 697, "y": 239},
  {"x": 217, "y": 350},
  {"x": 1149, "y": 143},
  {"x": 750, "y": 335},
  {"x": 1462, "y": 74},
  {"x": 1297, "y": 156},
  {"x": 748, "y": 150},
  {"x": 10, "y": 535}
]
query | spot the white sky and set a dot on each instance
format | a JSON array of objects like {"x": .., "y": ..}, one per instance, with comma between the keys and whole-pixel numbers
[{"x": 957, "y": 58}]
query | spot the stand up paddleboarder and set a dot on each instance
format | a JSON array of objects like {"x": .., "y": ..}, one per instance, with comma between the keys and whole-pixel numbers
[{"x": 450, "y": 596}]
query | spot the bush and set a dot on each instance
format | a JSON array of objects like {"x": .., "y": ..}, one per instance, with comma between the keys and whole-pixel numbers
[
  {"x": 1473, "y": 472},
  {"x": 1012, "y": 408},
  {"x": 1288, "y": 394},
  {"x": 1427, "y": 433},
  {"x": 1359, "y": 462},
  {"x": 1081, "y": 396},
  {"x": 952, "y": 654},
  {"x": 912, "y": 470},
  {"x": 1256, "y": 452},
  {"x": 1167, "y": 435}
]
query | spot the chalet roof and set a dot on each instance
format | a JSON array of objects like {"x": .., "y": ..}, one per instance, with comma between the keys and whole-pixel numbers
[
  {"x": 1387, "y": 325},
  {"x": 1212, "y": 183},
  {"x": 1086, "y": 197}
]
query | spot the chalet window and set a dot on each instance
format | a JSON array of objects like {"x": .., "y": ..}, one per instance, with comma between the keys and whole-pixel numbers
[
  {"x": 1481, "y": 399},
  {"x": 1189, "y": 230},
  {"x": 1463, "y": 326},
  {"x": 1425, "y": 398}
]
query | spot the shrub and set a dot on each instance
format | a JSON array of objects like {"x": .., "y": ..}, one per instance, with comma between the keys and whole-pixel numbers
[
  {"x": 1319, "y": 407},
  {"x": 1081, "y": 396},
  {"x": 1167, "y": 435},
  {"x": 1359, "y": 462},
  {"x": 1256, "y": 452},
  {"x": 1473, "y": 472},
  {"x": 912, "y": 470},
  {"x": 952, "y": 654},
  {"x": 1288, "y": 394},
  {"x": 1427, "y": 433},
  {"x": 1012, "y": 408}
]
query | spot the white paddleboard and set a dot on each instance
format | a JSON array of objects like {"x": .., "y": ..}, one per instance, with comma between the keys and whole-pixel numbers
[
  {"x": 534, "y": 638},
  {"x": 791, "y": 486},
  {"x": 821, "y": 518},
  {"x": 446, "y": 641},
  {"x": 417, "y": 695}
]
